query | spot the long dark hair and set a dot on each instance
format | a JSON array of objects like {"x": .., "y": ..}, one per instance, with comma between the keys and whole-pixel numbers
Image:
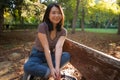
[{"x": 47, "y": 20}]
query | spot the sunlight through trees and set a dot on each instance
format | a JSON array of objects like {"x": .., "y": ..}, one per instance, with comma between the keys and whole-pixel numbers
[{"x": 91, "y": 13}]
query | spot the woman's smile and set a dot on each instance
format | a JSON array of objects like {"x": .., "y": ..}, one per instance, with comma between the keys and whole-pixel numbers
[{"x": 55, "y": 15}]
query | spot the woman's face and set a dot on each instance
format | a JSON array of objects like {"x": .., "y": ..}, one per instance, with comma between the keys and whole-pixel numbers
[{"x": 55, "y": 15}]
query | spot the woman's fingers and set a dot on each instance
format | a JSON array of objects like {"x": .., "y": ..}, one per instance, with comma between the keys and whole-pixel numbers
[
  {"x": 58, "y": 75},
  {"x": 53, "y": 73}
]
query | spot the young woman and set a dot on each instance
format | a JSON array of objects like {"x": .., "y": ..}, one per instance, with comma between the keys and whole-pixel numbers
[{"x": 47, "y": 56}]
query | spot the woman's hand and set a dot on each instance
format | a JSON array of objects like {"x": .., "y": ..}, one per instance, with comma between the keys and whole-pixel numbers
[
  {"x": 53, "y": 73},
  {"x": 58, "y": 75}
]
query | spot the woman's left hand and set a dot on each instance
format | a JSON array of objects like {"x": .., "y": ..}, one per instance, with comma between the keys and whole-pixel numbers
[{"x": 58, "y": 75}]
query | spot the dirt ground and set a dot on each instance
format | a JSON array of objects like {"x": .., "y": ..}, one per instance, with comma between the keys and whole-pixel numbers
[{"x": 15, "y": 48}]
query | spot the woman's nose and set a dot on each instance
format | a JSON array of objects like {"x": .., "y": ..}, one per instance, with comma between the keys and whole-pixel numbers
[{"x": 56, "y": 15}]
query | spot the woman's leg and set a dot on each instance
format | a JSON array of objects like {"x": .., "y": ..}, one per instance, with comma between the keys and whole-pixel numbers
[
  {"x": 35, "y": 69},
  {"x": 37, "y": 65},
  {"x": 64, "y": 59}
]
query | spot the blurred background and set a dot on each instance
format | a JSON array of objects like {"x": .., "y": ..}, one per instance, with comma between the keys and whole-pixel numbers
[{"x": 81, "y": 15}]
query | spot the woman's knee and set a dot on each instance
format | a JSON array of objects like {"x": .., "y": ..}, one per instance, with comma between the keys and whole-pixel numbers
[
  {"x": 66, "y": 55},
  {"x": 27, "y": 67}
]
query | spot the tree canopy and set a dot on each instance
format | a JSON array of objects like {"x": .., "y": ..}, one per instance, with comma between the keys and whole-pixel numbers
[{"x": 91, "y": 13}]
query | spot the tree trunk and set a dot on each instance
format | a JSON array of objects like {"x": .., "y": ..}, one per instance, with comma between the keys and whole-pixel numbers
[
  {"x": 82, "y": 20},
  {"x": 1, "y": 18},
  {"x": 21, "y": 19},
  {"x": 119, "y": 25},
  {"x": 75, "y": 17},
  {"x": 108, "y": 24}
]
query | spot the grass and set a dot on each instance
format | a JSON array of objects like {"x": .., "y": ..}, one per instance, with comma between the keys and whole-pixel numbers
[
  {"x": 113, "y": 31},
  {"x": 98, "y": 30}
]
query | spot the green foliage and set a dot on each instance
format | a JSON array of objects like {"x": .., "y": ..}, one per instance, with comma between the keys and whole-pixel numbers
[
  {"x": 33, "y": 12},
  {"x": 8, "y": 17},
  {"x": 99, "y": 12},
  {"x": 30, "y": 12},
  {"x": 118, "y": 2}
]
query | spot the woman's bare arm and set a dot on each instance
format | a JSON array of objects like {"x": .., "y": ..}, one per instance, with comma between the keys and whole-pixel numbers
[
  {"x": 58, "y": 51},
  {"x": 43, "y": 39}
]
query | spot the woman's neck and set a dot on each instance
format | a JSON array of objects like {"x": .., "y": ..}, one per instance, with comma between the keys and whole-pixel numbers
[{"x": 54, "y": 26}]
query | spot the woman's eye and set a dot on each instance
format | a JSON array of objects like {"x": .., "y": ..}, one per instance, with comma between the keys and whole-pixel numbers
[
  {"x": 59, "y": 13},
  {"x": 53, "y": 12},
  {"x": 56, "y": 12}
]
